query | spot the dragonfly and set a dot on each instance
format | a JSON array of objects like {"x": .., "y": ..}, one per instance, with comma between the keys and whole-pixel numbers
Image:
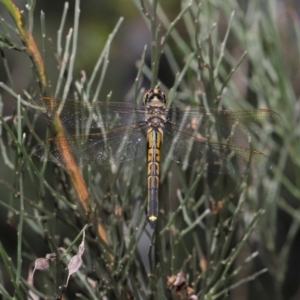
[{"x": 116, "y": 132}]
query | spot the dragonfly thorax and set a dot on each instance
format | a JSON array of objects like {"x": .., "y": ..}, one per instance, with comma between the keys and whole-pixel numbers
[{"x": 156, "y": 116}]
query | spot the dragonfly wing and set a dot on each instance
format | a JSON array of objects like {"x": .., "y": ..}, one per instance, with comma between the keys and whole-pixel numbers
[
  {"x": 224, "y": 123},
  {"x": 188, "y": 149},
  {"x": 81, "y": 114},
  {"x": 118, "y": 145}
]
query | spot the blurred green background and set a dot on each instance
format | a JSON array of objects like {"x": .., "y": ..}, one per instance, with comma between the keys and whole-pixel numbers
[{"x": 268, "y": 77}]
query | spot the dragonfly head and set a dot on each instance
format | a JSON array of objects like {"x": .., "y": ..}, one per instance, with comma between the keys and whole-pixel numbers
[{"x": 154, "y": 95}]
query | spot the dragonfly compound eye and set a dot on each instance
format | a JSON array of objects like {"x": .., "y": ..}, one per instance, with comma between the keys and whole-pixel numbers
[
  {"x": 153, "y": 93},
  {"x": 163, "y": 96},
  {"x": 147, "y": 96}
]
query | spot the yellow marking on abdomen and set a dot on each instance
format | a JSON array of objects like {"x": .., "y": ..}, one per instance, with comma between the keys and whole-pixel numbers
[{"x": 154, "y": 139}]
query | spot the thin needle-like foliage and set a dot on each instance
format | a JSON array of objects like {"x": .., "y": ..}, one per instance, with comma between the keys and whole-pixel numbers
[{"x": 83, "y": 231}]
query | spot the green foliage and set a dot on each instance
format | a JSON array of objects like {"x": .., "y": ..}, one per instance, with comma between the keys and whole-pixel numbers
[{"x": 218, "y": 54}]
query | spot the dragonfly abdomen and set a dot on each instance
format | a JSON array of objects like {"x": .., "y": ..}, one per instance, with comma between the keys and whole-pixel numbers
[{"x": 154, "y": 139}]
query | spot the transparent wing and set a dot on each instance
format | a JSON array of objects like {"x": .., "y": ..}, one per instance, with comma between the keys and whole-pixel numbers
[
  {"x": 223, "y": 123},
  {"x": 80, "y": 114},
  {"x": 115, "y": 146},
  {"x": 216, "y": 157}
]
